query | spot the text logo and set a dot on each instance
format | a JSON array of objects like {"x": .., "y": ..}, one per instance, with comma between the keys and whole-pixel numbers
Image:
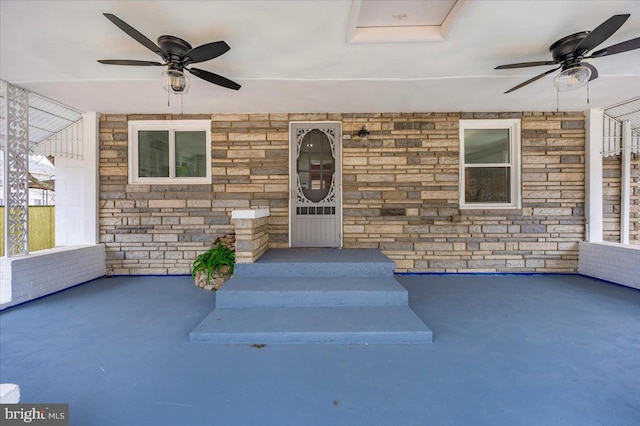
[{"x": 35, "y": 414}]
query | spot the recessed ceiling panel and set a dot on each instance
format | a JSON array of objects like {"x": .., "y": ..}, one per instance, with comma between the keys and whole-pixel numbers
[
  {"x": 403, "y": 13},
  {"x": 401, "y": 21}
]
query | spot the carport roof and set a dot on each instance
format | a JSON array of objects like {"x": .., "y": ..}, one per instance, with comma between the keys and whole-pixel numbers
[
  {"x": 627, "y": 111},
  {"x": 46, "y": 118}
]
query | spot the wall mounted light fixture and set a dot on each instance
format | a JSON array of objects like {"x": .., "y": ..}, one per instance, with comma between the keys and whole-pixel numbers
[{"x": 363, "y": 133}]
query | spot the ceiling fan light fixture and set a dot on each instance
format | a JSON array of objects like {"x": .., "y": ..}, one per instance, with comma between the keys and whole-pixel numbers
[
  {"x": 175, "y": 81},
  {"x": 572, "y": 78}
]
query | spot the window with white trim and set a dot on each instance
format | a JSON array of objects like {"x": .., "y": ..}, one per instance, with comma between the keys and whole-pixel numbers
[
  {"x": 170, "y": 152},
  {"x": 490, "y": 164}
]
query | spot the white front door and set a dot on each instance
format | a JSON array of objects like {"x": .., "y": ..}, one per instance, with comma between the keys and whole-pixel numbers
[{"x": 315, "y": 180}]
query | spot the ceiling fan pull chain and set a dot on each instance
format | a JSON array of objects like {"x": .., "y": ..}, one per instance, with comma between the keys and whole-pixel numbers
[
  {"x": 587, "y": 93},
  {"x": 182, "y": 104},
  {"x": 557, "y": 101}
]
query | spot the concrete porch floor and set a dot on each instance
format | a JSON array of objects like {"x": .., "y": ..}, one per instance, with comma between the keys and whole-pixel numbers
[{"x": 507, "y": 350}]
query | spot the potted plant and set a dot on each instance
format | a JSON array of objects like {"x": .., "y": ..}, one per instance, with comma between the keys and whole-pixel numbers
[{"x": 214, "y": 267}]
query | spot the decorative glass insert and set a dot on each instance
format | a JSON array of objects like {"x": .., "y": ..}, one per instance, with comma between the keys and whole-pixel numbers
[{"x": 315, "y": 166}]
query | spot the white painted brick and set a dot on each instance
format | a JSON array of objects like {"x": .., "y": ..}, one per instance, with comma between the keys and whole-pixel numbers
[
  {"x": 48, "y": 271},
  {"x": 610, "y": 261}
]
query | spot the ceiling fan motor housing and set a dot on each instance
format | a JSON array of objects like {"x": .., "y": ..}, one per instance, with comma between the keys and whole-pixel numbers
[
  {"x": 175, "y": 47},
  {"x": 564, "y": 50}
]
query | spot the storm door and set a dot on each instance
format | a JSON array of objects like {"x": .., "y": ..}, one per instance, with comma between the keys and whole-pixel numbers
[{"x": 316, "y": 182}]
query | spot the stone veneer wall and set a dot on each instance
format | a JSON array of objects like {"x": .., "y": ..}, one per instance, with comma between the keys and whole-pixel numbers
[
  {"x": 634, "y": 210},
  {"x": 612, "y": 177},
  {"x": 400, "y": 193}
]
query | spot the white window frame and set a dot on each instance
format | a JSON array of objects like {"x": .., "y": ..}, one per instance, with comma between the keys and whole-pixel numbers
[
  {"x": 171, "y": 126},
  {"x": 514, "y": 126}
]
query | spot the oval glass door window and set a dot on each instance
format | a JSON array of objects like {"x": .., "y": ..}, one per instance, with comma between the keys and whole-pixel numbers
[{"x": 316, "y": 166}]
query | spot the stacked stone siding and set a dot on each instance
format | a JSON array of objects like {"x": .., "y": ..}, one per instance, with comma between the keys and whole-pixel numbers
[
  {"x": 611, "y": 180},
  {"x": 612, "y": 184},
  {"x": 400, "y": 193},
  {"x": 634, "y": 202},
  {"x": 160, "y": 229}
]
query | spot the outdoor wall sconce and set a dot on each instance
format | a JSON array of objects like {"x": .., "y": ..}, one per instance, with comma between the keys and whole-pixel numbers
[{"x": 363, "y": 133}]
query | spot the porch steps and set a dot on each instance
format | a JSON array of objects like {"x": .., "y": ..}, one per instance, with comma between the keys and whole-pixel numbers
[
  {"x": 346, "y": 325},
  {"x": 313, "y": 296},
  {"x": 249, "y": 292},
  {"x": 318, "y": 262}
]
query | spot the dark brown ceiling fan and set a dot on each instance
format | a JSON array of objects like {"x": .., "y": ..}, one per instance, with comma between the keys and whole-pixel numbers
[
  {"x": 570, "y": 51},
  {"x": 177, "y": 54}
]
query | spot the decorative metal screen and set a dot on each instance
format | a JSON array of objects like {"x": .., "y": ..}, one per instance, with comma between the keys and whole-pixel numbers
[{"x": 16, "y": 173}]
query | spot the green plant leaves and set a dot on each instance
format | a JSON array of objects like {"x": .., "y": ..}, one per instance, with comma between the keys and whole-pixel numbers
[{"x": 212, "y": 261}]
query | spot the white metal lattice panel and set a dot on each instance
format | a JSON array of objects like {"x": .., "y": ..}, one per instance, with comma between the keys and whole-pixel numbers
[{"x": 66, "y": 143}]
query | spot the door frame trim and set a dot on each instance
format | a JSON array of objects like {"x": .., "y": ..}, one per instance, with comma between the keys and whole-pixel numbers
[{"x": 338, "y": 168}]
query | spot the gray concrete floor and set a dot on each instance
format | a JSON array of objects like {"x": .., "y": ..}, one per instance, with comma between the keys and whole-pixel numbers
[{"x": 507, "y": 350}]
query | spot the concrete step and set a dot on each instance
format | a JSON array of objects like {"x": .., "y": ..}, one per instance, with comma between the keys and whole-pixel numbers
[
  {"x": 345, "y": 325},
  {"x": 246, "y": 292},
  {"x": 313, "y": 262}
]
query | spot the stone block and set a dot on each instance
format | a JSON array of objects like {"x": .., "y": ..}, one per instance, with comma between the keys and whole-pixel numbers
[
  {"x": 252, "y": 153},
  {"x": 163, "y": 204},
  {"x": 540, "y": 124},
  {"x": 376, "y": 178},
  {"x": 245, "y": 188}
]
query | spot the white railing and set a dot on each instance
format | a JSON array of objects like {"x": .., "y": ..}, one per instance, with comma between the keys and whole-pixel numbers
[{"x": 612, "y": 138}]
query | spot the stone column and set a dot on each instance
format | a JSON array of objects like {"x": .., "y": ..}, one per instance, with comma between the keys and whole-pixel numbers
[
  {"x": 252, "y": 233},
  {"x": 16, "y": 169}
]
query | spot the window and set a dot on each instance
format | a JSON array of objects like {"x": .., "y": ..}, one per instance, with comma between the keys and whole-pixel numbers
[
  {"x": 490, "y": 164},
  {"x": 170, "y": 152}
]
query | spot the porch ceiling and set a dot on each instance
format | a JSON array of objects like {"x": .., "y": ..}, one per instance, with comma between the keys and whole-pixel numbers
[{"x": 294, "y": 56}]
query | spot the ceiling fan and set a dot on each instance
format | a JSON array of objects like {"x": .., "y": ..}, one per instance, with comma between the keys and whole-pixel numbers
[
  {"x": 570, "y": 52},
  {"x": 177, "y": 54}
]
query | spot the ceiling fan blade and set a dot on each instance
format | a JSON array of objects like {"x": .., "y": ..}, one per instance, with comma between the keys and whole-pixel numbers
[
  {"x": 531, "y": 80},
  {"x": 135, "y": 34},
  {"x": 128, "y": 62},
  {"x": 601, "y": 33},
  {"x": 206, "y": 52},
  {"x": 214, "y": 78},
  {"x": 525, "y": 64},
  {"x": 625, "y": 46},
  {"x": 594, "y": 71}
]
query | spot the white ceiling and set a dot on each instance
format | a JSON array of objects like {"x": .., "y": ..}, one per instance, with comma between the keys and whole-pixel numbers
[{"x": 293, "y": 56}]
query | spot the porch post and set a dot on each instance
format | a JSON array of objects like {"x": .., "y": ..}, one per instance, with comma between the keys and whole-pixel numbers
[
  {"x": 593, "y": 175},
  {"x": 16, "y": 169},
  {"x": 625, "y": 182}
]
